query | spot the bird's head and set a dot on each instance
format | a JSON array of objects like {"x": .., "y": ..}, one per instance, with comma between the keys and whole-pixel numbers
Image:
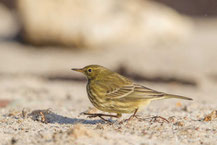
[{"x": 93, "y": 72}]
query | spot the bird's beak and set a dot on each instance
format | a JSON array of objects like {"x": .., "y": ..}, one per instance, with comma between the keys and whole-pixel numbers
[{"x": 78, "y": 70}]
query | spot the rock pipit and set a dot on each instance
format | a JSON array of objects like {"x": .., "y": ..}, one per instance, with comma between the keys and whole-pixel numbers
[{"x": 111, "y": 92}]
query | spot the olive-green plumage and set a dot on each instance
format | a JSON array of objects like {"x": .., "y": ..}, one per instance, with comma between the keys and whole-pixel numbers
[{"x": 111, "y": 92}]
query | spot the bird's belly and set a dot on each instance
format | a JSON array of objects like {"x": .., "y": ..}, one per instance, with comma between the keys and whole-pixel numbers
[{"x": 117, "y": 106}]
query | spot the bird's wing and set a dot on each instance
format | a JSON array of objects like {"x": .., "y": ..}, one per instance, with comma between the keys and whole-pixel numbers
[
  {"x": 141, "y": 92},
  {"x": 133, "y": 91},
  {"x": 120, "y": 92}
]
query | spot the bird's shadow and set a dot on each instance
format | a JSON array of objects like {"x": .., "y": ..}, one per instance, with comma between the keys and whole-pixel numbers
[{"x": 47, "y": 116}]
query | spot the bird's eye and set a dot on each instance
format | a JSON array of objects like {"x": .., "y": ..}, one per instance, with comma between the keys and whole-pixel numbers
[{"x": 89, "y": 70}]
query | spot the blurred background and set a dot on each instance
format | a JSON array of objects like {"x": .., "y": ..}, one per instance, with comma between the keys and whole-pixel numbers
[
  {"x": 167, "y": 45},
  {"x": 162, "y": 42}
]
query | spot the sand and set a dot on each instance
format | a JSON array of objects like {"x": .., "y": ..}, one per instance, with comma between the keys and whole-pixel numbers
[{"x": 41, "y": 99}]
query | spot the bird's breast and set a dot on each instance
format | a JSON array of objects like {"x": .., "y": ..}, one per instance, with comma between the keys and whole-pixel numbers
[{"x": 96, "y": 96}]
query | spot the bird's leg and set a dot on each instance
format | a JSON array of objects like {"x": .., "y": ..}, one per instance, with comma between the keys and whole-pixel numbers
[
  {"x": 100, "y": 115},
  {"x": 132, "y": 116},
  {"x": 104, "y": 119},
  {"x": 93, "y": 115}
]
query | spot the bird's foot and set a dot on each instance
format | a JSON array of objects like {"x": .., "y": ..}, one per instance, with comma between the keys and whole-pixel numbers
[
  {"x": 155, "y": 119},
  {"x": 90, "y": 115},
  {"x": 130, "y": 118}
]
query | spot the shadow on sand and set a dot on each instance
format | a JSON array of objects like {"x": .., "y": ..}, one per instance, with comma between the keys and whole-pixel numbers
[{"x": 47, "y": 116}]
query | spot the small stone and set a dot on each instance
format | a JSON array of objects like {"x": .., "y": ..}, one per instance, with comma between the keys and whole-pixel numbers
[
  {"x": 211, "y": 116},
  {"x": 13, "y": 140},
  {"x": 99, "y": 126},
  {"x": 40, "y": 115},
  {"x": 178, "y": 104},
  {"x": 4, "y": 103},
  {"x": 179, "y": 123},
  {"x": 172, "y": 119}
]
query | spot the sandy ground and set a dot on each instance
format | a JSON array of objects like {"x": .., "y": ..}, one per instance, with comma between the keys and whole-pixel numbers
[{"x": 41, "y": 100}]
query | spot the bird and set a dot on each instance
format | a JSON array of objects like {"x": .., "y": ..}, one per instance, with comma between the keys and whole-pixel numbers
[{"x": 111, "y": 92}]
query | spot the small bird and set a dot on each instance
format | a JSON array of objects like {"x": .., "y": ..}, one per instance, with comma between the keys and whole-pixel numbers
[{"x": 111, "y": 92}]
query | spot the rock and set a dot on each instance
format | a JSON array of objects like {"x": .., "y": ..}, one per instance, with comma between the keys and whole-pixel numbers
[
  {"x": 97, "y": 23},
  {"x": 10, "y": 4},
  {"x": 8, "y": 25}
]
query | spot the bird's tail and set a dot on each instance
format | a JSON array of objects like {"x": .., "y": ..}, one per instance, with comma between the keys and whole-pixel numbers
[{"x": 167, "y": 96}]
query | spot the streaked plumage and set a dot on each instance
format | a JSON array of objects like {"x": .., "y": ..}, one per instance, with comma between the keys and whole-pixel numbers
[{"x": 111, "y": 92}]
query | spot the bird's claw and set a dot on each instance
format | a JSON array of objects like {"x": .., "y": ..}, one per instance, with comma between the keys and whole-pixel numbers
[
  {"x": 130, "y": 118},
  {"x": 154, "y": 119}
]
